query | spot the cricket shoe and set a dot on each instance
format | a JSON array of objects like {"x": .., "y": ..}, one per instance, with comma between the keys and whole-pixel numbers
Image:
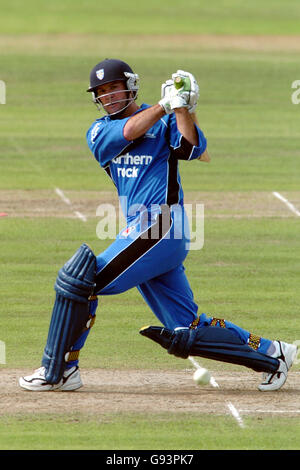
[
  {"x": 286, "y": 354},
  {"x": 37, "y": 382}
]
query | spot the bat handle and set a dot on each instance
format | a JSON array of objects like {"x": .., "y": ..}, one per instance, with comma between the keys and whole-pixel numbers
[{"x": 178, "y": 82}]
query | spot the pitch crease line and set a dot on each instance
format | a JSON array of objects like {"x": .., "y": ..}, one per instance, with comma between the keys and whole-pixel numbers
[
  {"x": 67, "y": 201},
  {"x": 269, "y": 411},
  {"x": 234, "y": 412},
  {"x": 286, "y": 202},
  {"x": 61, "y": 194}
]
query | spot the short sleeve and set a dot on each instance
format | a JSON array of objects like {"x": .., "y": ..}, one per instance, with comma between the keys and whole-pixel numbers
[{"x": 106, "y": 139}]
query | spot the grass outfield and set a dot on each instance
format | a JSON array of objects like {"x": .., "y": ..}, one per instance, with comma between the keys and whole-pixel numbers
[
  {"x": 132, "y": 432},
  {"x": 259, "y": 17},
  {"x": 248, "y": 269}
]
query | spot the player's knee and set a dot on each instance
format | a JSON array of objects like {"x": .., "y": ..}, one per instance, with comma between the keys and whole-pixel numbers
[{"x": 76, "y": 279}]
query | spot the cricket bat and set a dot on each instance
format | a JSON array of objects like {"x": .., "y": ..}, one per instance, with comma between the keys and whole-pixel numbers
[{"x": 182, "y": 82}]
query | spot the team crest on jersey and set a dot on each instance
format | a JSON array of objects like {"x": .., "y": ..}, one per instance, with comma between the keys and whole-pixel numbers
[
  {"x": 100, "y": 74},
  {"x": 94, "y": 132},
  {"x": 128, "y": 231}
]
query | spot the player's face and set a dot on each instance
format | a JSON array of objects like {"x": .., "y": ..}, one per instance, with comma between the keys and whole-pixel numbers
[{"x": 113, "y": 96}]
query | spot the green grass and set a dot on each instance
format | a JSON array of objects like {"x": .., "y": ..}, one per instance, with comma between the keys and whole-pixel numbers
[
  {"x": 127, "y": 432},
  {"x": 193, "y": 16},
  {"x": 248, "y": 269}
]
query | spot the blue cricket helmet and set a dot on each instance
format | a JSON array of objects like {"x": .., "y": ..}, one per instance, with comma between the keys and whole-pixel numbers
[{"x": 110, "y": 70}]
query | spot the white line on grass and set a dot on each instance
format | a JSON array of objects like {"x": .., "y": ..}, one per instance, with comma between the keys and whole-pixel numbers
[
  {"x": 80, "y": 216},
  {"x": 61, "y": 194},
  {"x": 269, "y": 411},
  {"x": 229, "y": 405},
  {"x": 67, "y": 201},
  {"x": 287, "y": 202}
]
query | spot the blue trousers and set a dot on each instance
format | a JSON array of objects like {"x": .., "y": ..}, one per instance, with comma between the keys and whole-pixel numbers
[
  {"x": 153, "y": 264},
  {"x": 149, "y": 254}
]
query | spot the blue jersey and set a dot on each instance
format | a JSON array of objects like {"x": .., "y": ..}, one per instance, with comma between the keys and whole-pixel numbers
[{"x": 144, "y": 171}]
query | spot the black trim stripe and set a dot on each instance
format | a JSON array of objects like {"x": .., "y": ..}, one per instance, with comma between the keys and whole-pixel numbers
[
  {"x": 183, "y": 152},
  {"x": 107, "y": 169},
  {"x": 146, "y": 241},
  {"x": 173, "y": 183}
]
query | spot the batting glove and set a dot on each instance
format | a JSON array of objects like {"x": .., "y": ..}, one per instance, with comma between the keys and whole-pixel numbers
[
  {"x": 187, "y": 84},
  {"x": 171, "y": 98}
]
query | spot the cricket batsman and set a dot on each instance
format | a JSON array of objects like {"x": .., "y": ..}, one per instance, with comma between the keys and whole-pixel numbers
[{"x": 140, "y": 147}]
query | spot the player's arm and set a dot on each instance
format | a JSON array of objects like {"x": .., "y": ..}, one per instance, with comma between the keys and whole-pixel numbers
[
  {"x": 141, "y": 122},
  {"x": 204, "y": 157},
  {"x": 173, "y": 93},
  {"x": 186, "y": 126}
]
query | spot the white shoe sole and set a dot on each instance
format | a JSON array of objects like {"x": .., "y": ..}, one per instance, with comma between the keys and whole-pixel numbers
[
  {"x": 70, "y": 386},
  {"x": 34, "y": 387},
  {"x": 289, "y": 358},
  {"x": 38, "y": 384}
]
